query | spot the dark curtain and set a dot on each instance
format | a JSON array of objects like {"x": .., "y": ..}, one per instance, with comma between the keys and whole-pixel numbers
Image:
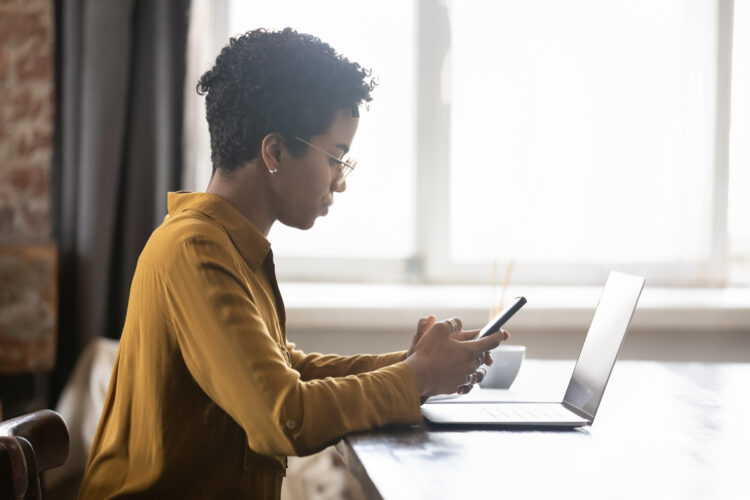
[{"x": 120, "y": 76}]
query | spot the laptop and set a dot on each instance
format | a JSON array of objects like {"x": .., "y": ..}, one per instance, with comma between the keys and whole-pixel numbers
[{"x": 590, "y": 376}]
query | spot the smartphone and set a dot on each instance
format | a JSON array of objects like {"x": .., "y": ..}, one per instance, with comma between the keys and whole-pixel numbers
[{"x": 502, "y": 317}]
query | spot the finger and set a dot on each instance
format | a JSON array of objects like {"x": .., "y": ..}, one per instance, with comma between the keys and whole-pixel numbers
[
  {"x": 465, "y": 335},
  {"x": 455, "y": 324},
  {"x": 484, "y": 344},
  {"x": 465, "y": 388},
  {"x": 480, "y": 374},
  {"x": 443, "y": 327},
  {"x": 479, "y": 360},
  {"x": 506, "y": 335},
  {"x": 452, "y": 325},
  {"x": 424, "y": 324},
  {"x": 430, "y": 321},
  {"x": 488, "y": 359},
  {"x": 422, "y": 327},
  {"x": 459, "y": 324},
  {"x": 473, "y": 365}
]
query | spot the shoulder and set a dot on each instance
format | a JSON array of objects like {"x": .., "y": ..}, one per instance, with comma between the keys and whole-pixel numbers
[{"x": 187, "y": 236}]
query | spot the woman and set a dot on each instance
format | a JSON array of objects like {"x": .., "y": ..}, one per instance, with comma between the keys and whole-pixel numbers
[{"x": 207, "y": 397}]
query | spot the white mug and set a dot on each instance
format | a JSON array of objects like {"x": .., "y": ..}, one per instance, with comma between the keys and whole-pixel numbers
[{"x": 507, "y": 362}]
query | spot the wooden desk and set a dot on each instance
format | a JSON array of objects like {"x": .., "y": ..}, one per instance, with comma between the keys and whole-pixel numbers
[{"x": 663, "y": 430}]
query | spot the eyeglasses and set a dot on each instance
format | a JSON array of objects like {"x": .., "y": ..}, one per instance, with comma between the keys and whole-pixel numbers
[{"x": 345, "y": 165}]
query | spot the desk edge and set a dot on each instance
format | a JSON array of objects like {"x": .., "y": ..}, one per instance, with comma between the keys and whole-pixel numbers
[{"x": 357, "y": 469}]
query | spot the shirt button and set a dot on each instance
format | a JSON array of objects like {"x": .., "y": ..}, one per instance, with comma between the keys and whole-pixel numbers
[{"x": 290, "y": 424}]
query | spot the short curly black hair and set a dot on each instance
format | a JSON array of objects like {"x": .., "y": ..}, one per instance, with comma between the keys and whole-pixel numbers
[{"x": 276, "y": 81}]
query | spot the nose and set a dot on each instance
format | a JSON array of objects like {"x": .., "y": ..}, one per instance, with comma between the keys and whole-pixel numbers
[{"x": 339, "y": 188}]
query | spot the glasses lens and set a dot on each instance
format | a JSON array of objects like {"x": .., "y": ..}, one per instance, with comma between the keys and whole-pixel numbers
[{"x": 346, "y": 168}]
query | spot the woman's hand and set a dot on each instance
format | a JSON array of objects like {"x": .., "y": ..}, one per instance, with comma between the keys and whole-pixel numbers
[
  {"x": 425, "y": 324},
  {"x": 443, "y": 358},
  {"x": 479, "y": 374}
]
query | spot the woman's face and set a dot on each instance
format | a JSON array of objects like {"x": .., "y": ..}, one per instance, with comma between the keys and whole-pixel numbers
[{"x": 303, "y": 187}]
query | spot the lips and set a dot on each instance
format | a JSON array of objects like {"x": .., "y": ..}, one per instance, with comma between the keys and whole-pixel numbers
[{"x": 326, "y": 203}]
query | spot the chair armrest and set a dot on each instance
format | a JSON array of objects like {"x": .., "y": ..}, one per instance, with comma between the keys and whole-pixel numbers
[{"x": 47, "y": 433}]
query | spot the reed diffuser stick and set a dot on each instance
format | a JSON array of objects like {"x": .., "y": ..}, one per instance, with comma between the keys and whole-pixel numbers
[
  {"x": 492, "y": 290},
  {"x": 506, "y": 282}
]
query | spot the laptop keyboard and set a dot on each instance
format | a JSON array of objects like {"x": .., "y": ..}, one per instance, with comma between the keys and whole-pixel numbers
[{"x": 519, "y": 412}]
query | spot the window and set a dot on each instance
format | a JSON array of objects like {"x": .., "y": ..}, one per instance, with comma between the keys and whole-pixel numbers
[
  {"x": 739, "y": 150},
  {"x": 566, "y": 137}
]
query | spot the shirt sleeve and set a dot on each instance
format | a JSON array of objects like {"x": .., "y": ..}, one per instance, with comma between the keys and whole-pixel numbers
[
  {"x": 233, "y": 358},
  {"x": 316, "y": 366}
]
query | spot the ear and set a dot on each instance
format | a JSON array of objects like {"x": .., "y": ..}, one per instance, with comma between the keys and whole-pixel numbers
[{"x": 270, "y": 151}]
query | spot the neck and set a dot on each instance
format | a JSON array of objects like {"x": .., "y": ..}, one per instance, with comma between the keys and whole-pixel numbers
[{"x": 245, "y": 190}]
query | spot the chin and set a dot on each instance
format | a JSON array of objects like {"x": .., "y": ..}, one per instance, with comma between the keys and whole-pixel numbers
[
  {"x": 307, "y": 226},
  {"x": 300, "y": 224}
]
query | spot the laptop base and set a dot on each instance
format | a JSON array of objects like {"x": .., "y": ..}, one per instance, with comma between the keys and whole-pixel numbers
[{"x": 504, "y": 414}]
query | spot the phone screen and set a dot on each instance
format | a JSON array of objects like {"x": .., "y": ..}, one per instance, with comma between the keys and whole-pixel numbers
[{"x": 502, "y": 317}]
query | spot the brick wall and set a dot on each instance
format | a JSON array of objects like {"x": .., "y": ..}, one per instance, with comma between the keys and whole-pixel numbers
[
  {"x": 28, "y": 277},
  {"x": 26, "y": 118}
]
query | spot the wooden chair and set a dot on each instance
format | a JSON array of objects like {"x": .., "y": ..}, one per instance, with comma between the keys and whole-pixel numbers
[{"x": 29, "y": 445}]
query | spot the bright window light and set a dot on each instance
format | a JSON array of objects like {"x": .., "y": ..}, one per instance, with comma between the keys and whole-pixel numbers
[
  {"x": 739, "y": 145},
  {"x": 582, "y": 131}
]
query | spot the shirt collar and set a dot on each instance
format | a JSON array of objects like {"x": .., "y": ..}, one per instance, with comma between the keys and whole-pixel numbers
[{"x": 250, "y": 242}]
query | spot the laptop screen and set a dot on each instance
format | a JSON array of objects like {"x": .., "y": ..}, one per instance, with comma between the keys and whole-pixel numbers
[{"x": 603, "y": 341}]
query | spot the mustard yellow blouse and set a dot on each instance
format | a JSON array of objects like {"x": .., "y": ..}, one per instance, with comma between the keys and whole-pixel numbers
[{"x": 207, "y": 397}]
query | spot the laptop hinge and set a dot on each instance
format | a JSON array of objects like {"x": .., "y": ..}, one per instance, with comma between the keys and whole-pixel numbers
[{"x": 578, "y": 412}]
